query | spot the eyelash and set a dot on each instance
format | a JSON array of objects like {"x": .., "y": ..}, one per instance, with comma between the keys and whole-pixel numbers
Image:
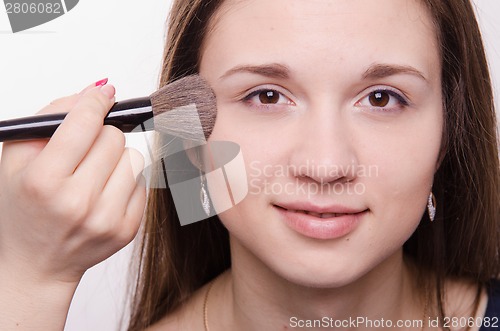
[
  {"x": 395, "y": 94},
  {"x": 400, "y": 99},
  {"x": 267, "y": 107}
]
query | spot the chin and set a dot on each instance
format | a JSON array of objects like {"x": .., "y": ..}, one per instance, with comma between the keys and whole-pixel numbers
[
  {"x": 268, "y": 247},
  {"x": 319, "y": 276},
  {"x": 332, "y": 267}
]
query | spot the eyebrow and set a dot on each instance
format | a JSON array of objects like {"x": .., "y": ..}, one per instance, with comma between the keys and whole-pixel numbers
[
  {"x": 272, "y": 70},
  {"x": 277, "y": 70},
  {"x": 381, "y": 70}
]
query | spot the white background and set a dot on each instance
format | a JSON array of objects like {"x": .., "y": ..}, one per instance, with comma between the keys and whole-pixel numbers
[{"x": 121, "y": 40}]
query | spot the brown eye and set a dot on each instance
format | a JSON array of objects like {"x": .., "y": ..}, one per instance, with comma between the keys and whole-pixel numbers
[
  {"x": 269, "y": 97},
  {"x": 383, "y": 100},
  {"x": 379, "y": 99}
]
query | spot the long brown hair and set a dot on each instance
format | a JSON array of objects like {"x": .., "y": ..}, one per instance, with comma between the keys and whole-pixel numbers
[{"x": 464, "y": 239}]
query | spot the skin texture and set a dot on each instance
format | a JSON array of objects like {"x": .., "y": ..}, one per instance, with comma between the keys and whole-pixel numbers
[
  {"x": 325, "y": 128},
  {"x": 321, "y": 61},
  {"x": 323, "y": 120}
]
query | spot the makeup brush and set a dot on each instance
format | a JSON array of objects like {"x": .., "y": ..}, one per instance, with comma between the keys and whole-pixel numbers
[{"x": 185, "y": 108}]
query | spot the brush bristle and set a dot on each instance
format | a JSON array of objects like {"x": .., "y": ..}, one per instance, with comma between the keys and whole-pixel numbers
[{"x": 171, "y": 104}]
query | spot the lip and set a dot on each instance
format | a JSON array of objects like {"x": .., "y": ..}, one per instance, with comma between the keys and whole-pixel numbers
[{"x": 334, "y": 221}]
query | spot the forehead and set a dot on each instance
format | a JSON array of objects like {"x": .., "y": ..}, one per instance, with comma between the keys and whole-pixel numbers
[{"x": 323, "y": 31}]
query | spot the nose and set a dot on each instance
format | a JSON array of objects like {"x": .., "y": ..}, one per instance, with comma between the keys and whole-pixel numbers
[{"x": 325, "y": 149}]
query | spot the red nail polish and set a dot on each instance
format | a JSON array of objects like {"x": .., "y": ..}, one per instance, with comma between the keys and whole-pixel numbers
[{"x": 102, "y": 82}]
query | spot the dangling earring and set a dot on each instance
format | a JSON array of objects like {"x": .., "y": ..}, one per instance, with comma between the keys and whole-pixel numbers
[
  {"x": 431, "y": 206},
  {"x": 204, "y": 199}
]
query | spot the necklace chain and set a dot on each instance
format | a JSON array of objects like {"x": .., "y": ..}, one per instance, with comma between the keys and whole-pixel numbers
[{"x": 205, "y": 308}]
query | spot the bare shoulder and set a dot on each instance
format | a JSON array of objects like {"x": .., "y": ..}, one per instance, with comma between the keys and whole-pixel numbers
[
  {"x": 187, "y": 317},
  {"x": 460, "y": 298}
]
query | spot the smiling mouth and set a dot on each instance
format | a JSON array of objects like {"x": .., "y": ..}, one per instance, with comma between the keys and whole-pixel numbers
[{"x": 334, "y": 223}]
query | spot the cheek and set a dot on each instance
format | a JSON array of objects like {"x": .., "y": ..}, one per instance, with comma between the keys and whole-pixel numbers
[
  {"x": 260, "y": 146},
  {"x": 257, "y": 155},
  {"x": 406, "y": 160}
]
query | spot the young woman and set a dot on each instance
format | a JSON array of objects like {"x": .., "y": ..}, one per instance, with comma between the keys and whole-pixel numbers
[{"x": 369, "y": 136}]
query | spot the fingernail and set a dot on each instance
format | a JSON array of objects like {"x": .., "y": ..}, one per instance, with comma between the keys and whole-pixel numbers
[
  {"x": 108, "y": 90},
  {"x": 101, "y": 82}
]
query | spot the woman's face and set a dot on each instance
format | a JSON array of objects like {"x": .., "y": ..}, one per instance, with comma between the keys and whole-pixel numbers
[{"x": 337, "y": 108}]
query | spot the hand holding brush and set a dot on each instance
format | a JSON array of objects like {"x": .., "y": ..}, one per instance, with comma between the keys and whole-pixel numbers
[
  {"x": 72, "y": 201},
  {"x": 164, "y": 111}
]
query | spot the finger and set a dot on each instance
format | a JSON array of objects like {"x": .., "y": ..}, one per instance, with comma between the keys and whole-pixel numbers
[
  {"x": 18, "y": 153},
  {"x": 135, "y": 211},
  {"x": 117, "y": 212},
  {"x": 122, "y": 183},
  {"x": 63, "y": 105},
  {"x": 76, "y": 135},
  {"x": 102, "y": 159}
]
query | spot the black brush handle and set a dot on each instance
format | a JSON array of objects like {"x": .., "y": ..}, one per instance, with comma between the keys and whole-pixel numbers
[{"x": 126, "y": 115}]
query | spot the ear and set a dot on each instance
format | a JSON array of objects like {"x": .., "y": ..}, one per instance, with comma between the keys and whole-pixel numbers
[
  {"x": 193, "y": 153},
  {"x": 443, "y": 150},
  {"x": 199, "y": 154}
]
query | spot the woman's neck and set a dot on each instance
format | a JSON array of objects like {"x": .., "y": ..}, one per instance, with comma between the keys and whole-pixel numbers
[{"x": 250, "y": 296}]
